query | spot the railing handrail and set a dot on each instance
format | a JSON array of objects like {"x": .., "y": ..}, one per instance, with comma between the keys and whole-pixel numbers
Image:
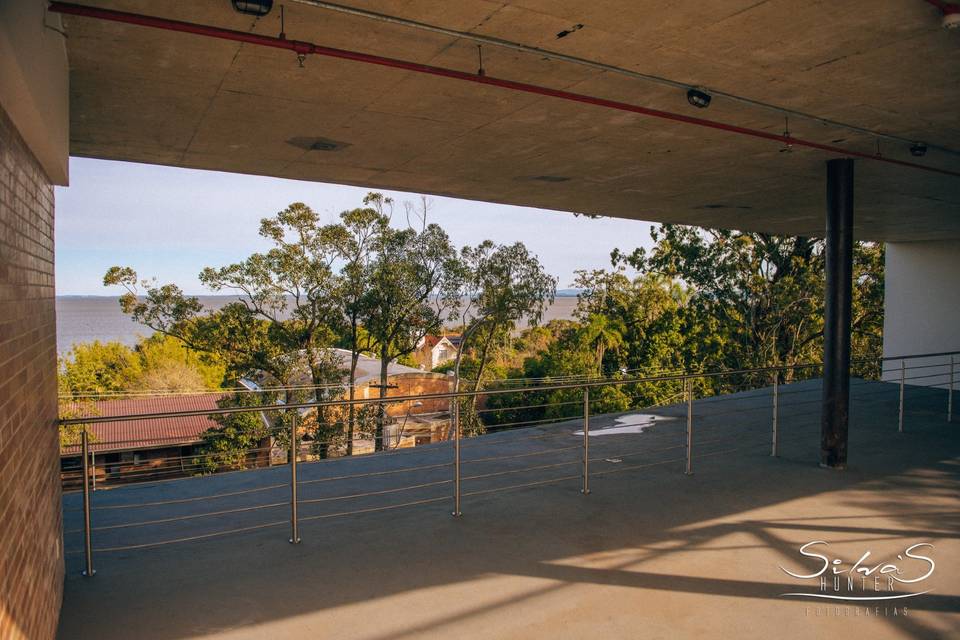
[
  {"x": 914, "y": 356},
  {"x": 166, "y": 467},
  {"x": 448, "y": 395}
]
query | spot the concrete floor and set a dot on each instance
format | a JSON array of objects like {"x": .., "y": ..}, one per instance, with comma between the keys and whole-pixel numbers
[{"x": 650, "y": 553}]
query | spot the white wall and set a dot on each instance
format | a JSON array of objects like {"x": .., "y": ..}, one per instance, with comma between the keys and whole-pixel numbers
[
  {"x": 35, "y": 82},
  {"x": 922, "y": 309}
]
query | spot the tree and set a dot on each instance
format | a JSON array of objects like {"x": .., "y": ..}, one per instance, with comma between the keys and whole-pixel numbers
[
  {"x": 758, "y": 297},
  {"x": 284, "y": 313},
  {"x": 290, "y": 286},
  {"x": 283, "y": 320},
  {"x": 866, "y": 344},
  {"x": 355, "y": 246},
  {"x": 167, "y": 365},
  {"x": 502, "y": 284},
  {"x": 603, "y": 333},
  {"x": 98, "y": 368},
  {"x": 413, "y": 287},
  {"x": 71, "y": 435},
  {"x": 157, "y": 363},
  {"x": 756, "y": 300},
  {"x": 230, "y": 444},
  {"x": 649, "y": 315}
]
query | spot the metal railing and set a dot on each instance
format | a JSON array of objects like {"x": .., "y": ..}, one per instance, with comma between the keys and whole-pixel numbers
[{"x": 529, "y": 449}]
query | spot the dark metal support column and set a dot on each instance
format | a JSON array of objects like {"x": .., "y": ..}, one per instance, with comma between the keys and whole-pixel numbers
[{"x": 837, "y": 309}]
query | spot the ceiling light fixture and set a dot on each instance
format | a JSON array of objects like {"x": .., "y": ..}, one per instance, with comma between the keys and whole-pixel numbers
[
  {"x": 257, "y": 8},
  {"x": 699, "y": 99}
]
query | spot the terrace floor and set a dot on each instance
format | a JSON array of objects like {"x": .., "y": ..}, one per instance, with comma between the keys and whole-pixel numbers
[{"x": 650, "y": 553}]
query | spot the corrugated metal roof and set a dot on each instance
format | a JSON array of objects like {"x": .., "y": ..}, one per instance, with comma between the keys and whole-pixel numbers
[{"x": 149, "y": 433}]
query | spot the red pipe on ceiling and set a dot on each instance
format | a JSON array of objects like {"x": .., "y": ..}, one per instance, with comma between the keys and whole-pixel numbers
[{"x": 308, "y": 48}]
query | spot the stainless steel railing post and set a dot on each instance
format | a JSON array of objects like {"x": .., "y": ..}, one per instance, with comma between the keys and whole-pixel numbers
[
  {"x": 903, "y": 378},
  {"x": 294, "y": 454},
  {"x": 950, "y": 394},
  {"x": 586, "y": 441},
  {"x": 776, "y": 412},
  {"x": 89, "y": 571},
  {"x": 688, "y": 382},
  {"x": 455, "y": 416}
]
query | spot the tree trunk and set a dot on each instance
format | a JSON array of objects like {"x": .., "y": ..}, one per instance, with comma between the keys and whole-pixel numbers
[
  {"x": 484, "y": 353},
  {"x": 382, "y": 407},
  {"x": 322, "y": 446},
  {"x": 352, "y": 419}
]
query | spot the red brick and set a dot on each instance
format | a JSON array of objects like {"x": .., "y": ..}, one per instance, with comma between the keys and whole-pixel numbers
[{"x": 31, "y": 558}]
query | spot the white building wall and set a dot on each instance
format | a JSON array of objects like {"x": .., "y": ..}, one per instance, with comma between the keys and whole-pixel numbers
[{"x": 922, "y": 309}]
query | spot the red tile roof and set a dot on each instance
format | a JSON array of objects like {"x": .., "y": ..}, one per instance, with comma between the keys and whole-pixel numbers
[
  {"x": 431, "y": 340},
  {"x": 152, "y": 433}
]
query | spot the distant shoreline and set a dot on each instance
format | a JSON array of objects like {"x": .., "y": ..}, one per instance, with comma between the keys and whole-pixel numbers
[{"x": 83, "y": 318}]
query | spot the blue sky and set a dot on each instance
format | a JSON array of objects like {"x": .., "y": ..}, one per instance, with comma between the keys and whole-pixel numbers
[{"x": 170, "y": 223}]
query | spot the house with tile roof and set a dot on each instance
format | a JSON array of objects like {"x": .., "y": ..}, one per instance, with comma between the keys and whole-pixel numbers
[{"x": 433, "y": 351}]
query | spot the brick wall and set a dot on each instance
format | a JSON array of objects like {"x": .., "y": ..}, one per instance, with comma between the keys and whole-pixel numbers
[
  {"x": 31, "y": 554},
  {"x": 413, "y": 384}
]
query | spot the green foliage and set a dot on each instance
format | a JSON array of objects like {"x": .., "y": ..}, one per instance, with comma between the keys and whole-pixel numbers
[
  {"x": 168, "y": 365},
  {"x": 99, "y": 367},
  {"x": 704, "y": 300},
  {"x": 412, "y": 288},
  {"x": 502, "y": 284},
  {"x": 413, "y": 285},
  {"x": 867, "y": 323},
  {"x": 407, "y": 360},
  {"x": 70, "y": 435},
  {"x": 756, "y": 299},
  {"x": 158, "y": 363},
  {"x": 445, "y": 367},
  {"x": 229, "y": 445},
  {"x": 700, "y": 300},
  {"x": 286, "y": 300}
]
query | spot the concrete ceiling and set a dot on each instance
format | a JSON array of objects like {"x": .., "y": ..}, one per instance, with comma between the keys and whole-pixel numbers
[{"x": 147, "y": 95}]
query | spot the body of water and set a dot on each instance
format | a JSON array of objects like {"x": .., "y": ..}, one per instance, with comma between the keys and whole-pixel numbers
[{"x": 89, "y": 318}]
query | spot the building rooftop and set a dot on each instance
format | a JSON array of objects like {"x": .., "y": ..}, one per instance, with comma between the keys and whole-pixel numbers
[
  {"x": 128, "y": 435},
  {"x": 651, "y": 552},
  {"x": 368, "y": 370}
]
